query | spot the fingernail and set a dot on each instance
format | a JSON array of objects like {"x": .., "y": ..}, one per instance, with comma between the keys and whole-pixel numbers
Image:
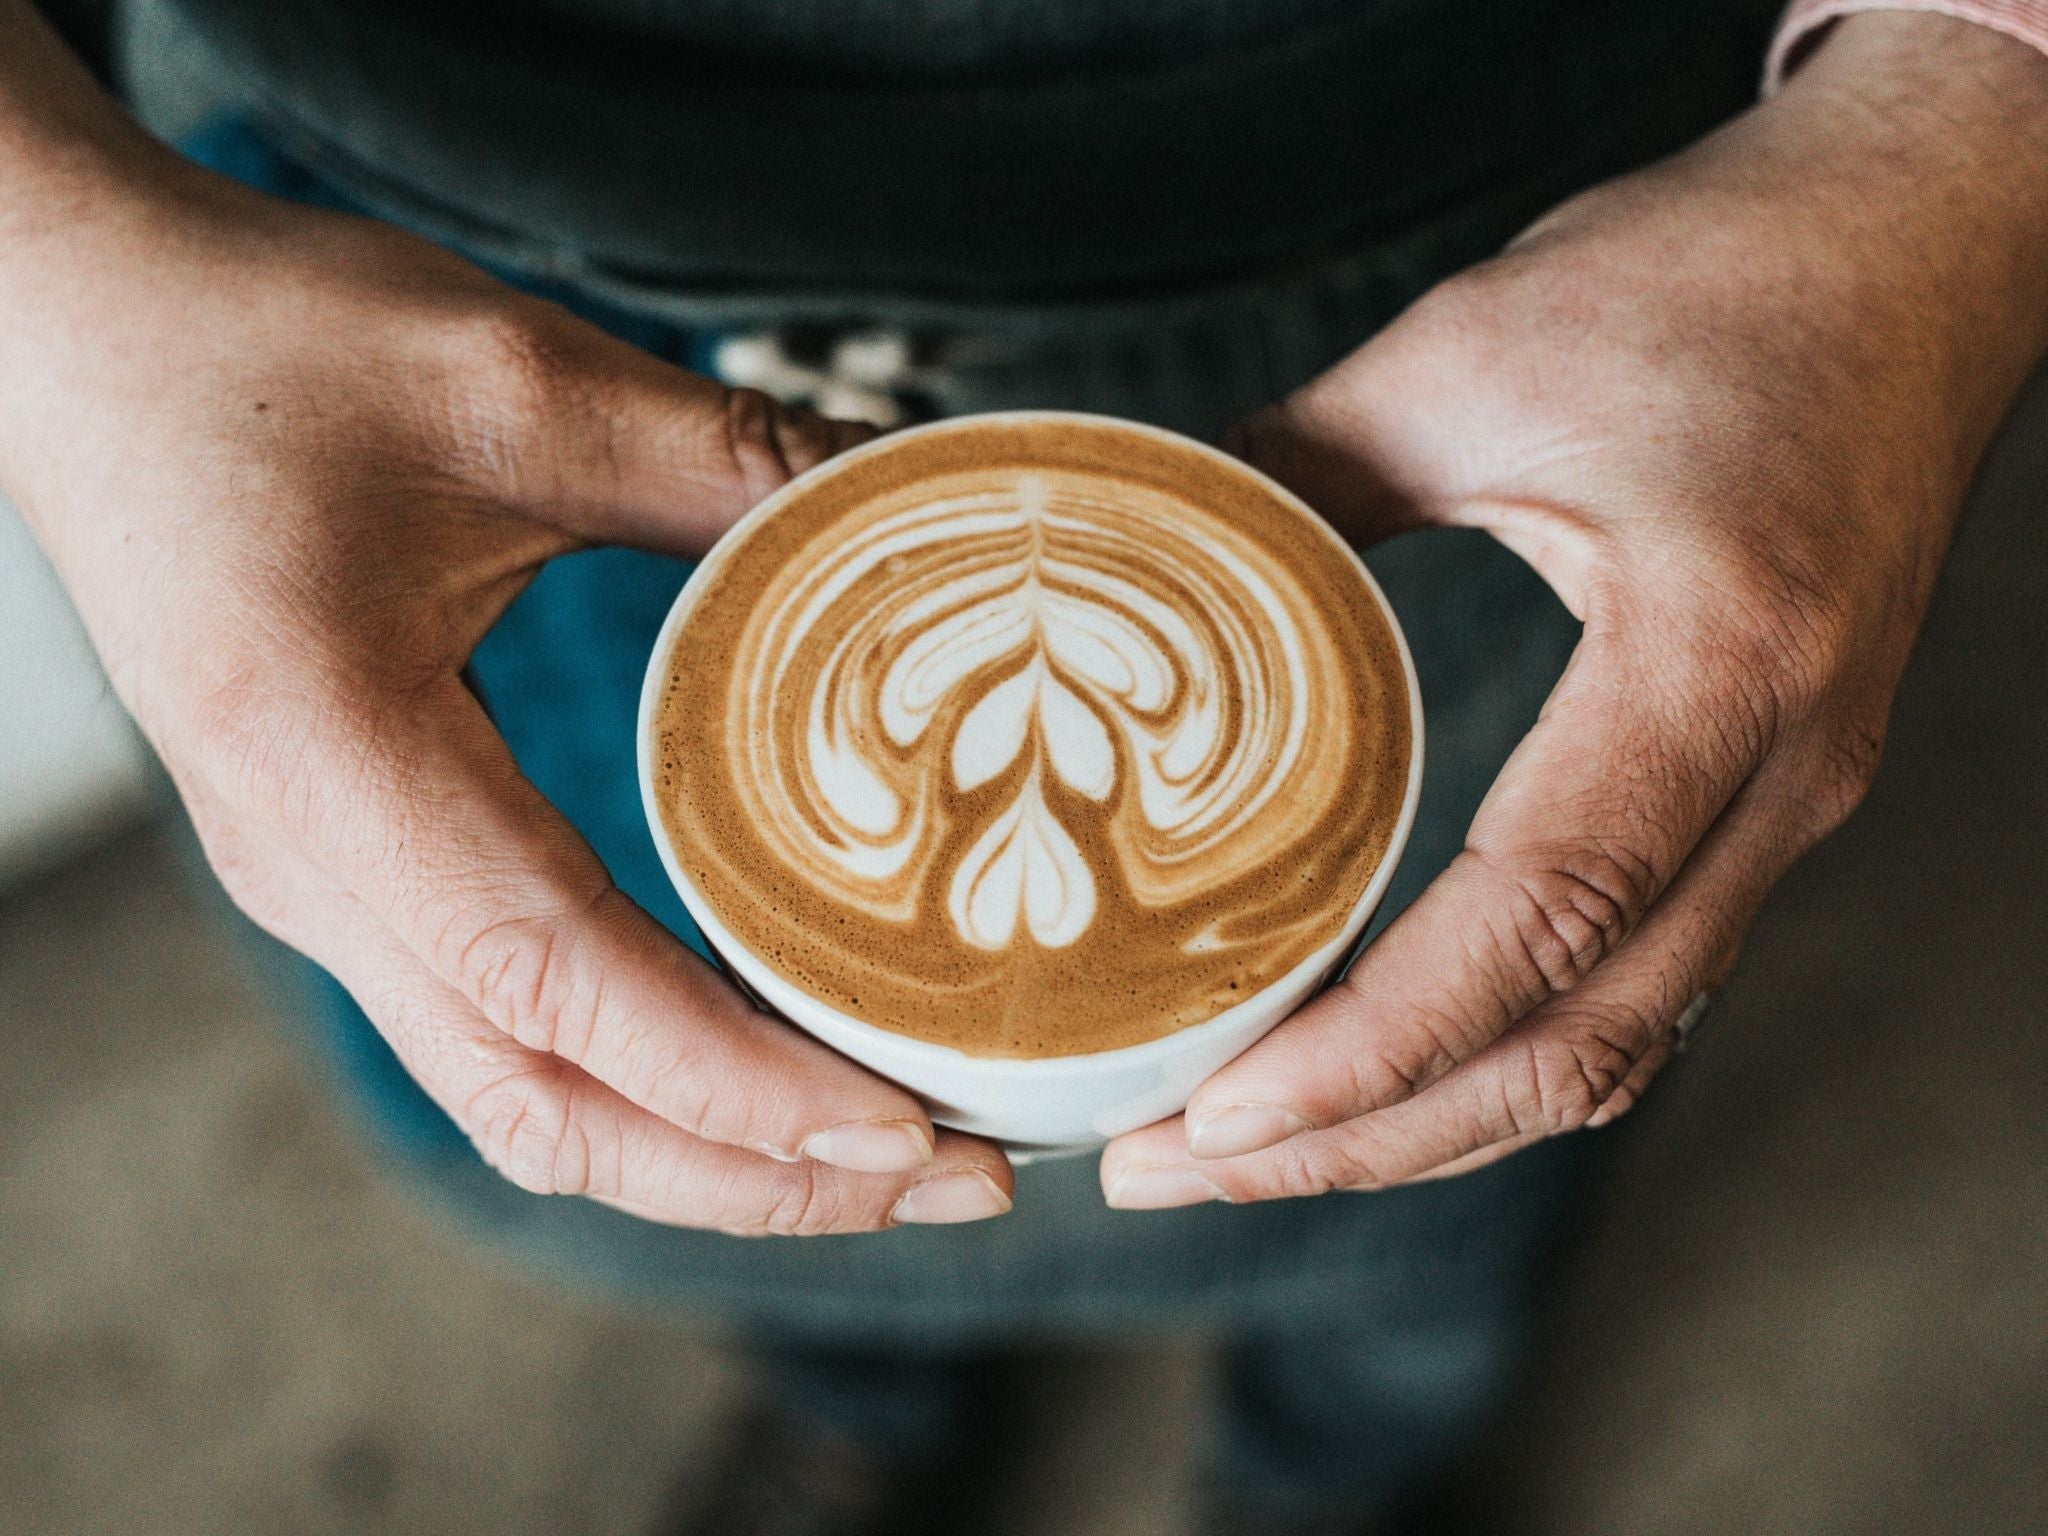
[
  {"x": 968, "y": 1195},
  {"x": 1156, "y": 1189},
  {"x": 1237, "y": 1129},
  {"x": 872, "y": 1146}
]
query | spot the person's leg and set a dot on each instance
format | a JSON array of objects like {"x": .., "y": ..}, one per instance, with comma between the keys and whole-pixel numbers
[
  {"x": 1340, "y": 1420},
  {"x": 1333, "y": 1429},
  {"x": 891, "y": 1397},
  {"x": 874, "y": 1438}
]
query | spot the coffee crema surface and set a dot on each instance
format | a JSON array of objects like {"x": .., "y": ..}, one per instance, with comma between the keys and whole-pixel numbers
[{"x": 1032, "y": 738}]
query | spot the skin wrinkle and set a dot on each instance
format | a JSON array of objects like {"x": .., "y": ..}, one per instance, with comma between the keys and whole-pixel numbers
[
  {"x": 1523, "y": 1113},
  {"x": 1558, "y": 1020},
  {"x": 1564, "y": 922},
  {"x": 498, "y": 1114},
  {"x": 1400, "y": 1076},
  {"x": 750, "y": 420},
  {"x": 803, "y": 1208},
  {"x": 1467, "y": 1029},
  {"x": 544, "y": 992},
  {"x": 1603, "y": 1065},
  {"x": 572, "y": 1163},
  {"x": 529, "y": 383},
  {"x": 676, "y": 1080},
  {"x": 515, "y": 983},
  {"x": 351, "y": 606}
]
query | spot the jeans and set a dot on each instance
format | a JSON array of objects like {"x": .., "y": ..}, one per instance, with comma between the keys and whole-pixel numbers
[{"x": 1362, "y": 1335}]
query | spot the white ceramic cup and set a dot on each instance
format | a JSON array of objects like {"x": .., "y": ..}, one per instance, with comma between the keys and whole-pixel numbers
[{"x": 1049, "y": 1104}]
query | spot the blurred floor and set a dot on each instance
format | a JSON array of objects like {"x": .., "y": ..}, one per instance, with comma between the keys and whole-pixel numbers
[{"x": 1817, "y": 1300}]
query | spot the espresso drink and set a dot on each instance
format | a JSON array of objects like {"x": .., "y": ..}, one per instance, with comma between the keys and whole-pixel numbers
[{"x": 1032, "y": 737}]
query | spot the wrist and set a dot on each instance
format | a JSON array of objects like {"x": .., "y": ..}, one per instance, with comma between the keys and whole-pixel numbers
[
  {"x": 1921, "y": 143},
  {"x": 68, "y": 150},
  {"x": 89, "y": 207},
  {"x": 1863, "y": 253}
]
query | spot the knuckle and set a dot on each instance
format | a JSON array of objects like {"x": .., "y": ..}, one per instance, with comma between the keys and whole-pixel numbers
[
  {"x": 516, "y": 350},
  {"x": 806, "y": 1204},
  {"x": 525, "y": 1125},
  {"x": 682, "y": 1083},
  {"x": 252, "y": 880},
  {"x": 1439, "y": 1033},
  {"x": 1378, "y": 1069},
  {"x": 1449, "y": 324},
  {"x": 764, "y": 443},
  {"x": 1571, "y": 909},
  {"x": 526, "y": 973},
  {"x": 1309, "y": 1166},
  {"x": 1366, "y": 1172},
  {"x": 1792, "y": 625},
  {"x": 1571, "y": 1079}
]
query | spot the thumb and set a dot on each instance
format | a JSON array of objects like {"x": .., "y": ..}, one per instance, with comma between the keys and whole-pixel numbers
[
  {"x": 1321, "y": 443},
  {"x": 641, "y": 452}
]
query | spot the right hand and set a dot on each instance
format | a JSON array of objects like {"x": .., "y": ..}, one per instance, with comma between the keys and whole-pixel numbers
[{"x": 292, "y": 466}]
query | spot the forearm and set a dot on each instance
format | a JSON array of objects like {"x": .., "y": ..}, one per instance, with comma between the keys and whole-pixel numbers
[
  {"x": 1905, "y": 166},
  {"x": 1862, "y": 258},
  {"x": 1941, "y": 180},
  {"x": 81, "y": 192},
  {"x": 66, "y": 146}
]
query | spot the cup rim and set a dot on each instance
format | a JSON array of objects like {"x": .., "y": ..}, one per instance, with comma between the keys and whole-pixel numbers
[{"x": 1146, "y": 1052}]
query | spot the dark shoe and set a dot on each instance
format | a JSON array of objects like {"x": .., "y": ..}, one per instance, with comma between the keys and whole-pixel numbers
[{"x": 783, "y": 1476}]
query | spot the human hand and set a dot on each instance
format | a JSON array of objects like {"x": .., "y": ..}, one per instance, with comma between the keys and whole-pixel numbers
[
  {"x": 292, "y": 466},
  {"x": 1727, "y": 408}
]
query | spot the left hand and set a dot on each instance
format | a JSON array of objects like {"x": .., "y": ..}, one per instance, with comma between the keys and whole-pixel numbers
[{"x": 1728, "y": 409}]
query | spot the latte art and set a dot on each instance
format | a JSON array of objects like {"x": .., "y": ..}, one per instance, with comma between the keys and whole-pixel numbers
[
  {"x": 1031, "y": 739},
  {"x": 1038, "y": 636}
]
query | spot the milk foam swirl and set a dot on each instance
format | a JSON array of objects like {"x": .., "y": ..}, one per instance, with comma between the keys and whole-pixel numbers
[
  {"x": 1019, "y": 700},
  {"x": 1034, "y": 735}
]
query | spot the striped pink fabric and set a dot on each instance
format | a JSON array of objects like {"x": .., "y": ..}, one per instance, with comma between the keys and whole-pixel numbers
[{"x": 1803, "y": 20}]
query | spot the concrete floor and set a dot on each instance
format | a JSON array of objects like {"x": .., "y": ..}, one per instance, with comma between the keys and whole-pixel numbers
[{"x": 1817, "y": 1301}]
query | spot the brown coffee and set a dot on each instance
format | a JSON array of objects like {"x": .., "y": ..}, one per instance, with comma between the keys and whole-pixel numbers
[{"x": 1032, "y": 736}]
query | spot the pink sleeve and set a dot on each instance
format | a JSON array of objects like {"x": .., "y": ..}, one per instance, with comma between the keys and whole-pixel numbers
[{"x": 1804, "y": 20}]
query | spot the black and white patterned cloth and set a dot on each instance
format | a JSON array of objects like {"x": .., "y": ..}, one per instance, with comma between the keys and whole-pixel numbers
[{"x": 876, "y": 375}]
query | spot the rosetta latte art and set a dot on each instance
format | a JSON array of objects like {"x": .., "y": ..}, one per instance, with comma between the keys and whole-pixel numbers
[
  {"x": 1080, "y": 652},
  {"x": 1033, "y": 739}
]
